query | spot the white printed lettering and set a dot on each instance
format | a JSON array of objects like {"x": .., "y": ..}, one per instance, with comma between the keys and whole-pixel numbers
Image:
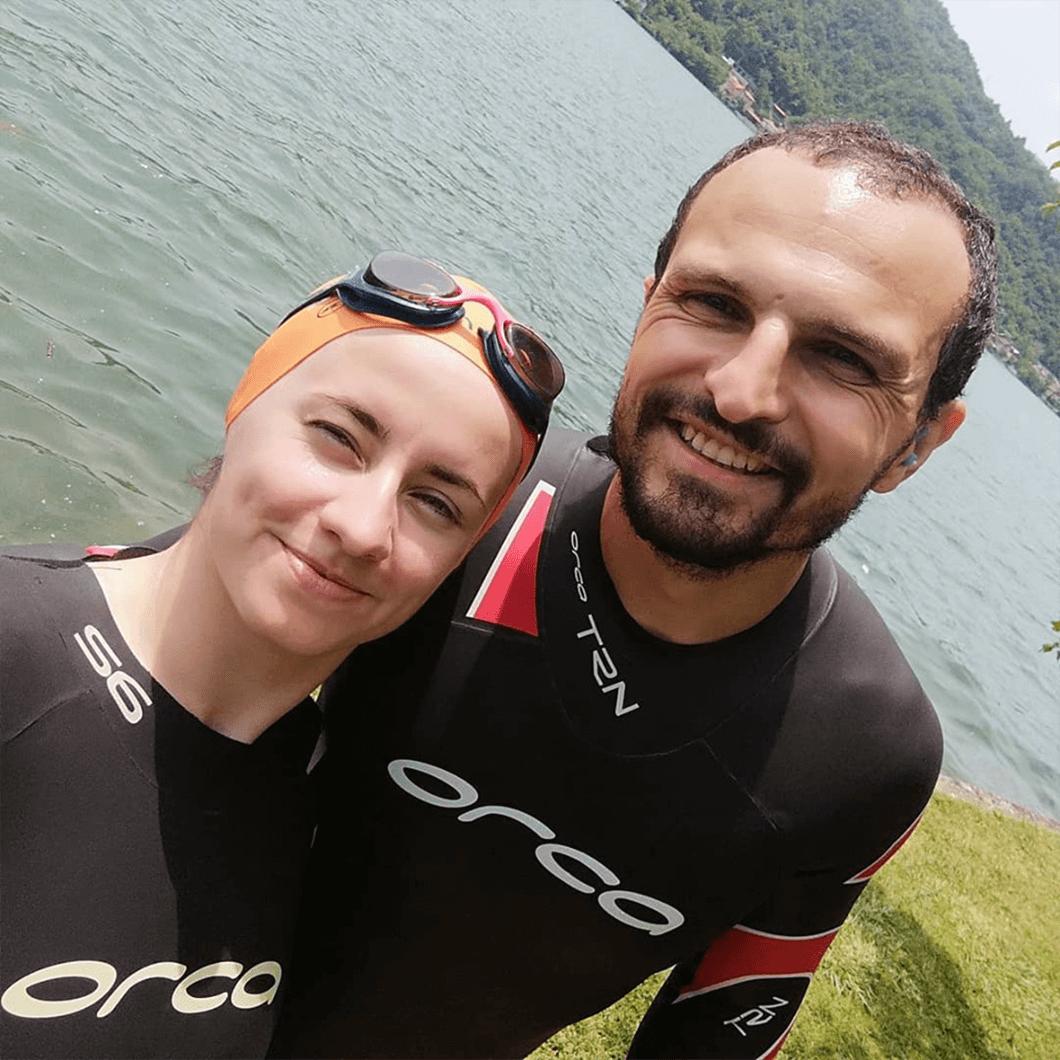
[
  {"x": 755, "y": 1017},
  {"x": 187, "y": 1003},
  {"x": 735, "y": 1021},
  {"x": 399, "y": 773},
  {"x": 579, "y": 579},
  {"x": 620, "y": 707},
  {"x": 19, "y": 1001},
  {"x": 547, "y": 852},
  {"x": 603, "y": 668},
  {"x": 127, "y": 693},
  {"x": 130, "y": 697},
  {"x": 591, "y": 631},
  {"x": 159, "y": 970},
  {"x": 674, "y": 918},
  {"x": 535, "y": 826},
  {"x": 94, "y": 651},
  {"x": 243, "y": 998}
]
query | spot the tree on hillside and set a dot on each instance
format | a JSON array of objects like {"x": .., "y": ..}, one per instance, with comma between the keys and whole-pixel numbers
[{"x": 1050, "y": 206}]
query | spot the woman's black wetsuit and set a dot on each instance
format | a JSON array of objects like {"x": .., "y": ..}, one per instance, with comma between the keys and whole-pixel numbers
[{"x": 150, "y": 867}]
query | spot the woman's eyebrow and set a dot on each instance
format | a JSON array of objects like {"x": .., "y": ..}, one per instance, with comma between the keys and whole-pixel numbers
[
  {"x": 377, "y": 430},
  {"x": 363, "y": 417},
  {"x": 447, "y": 475}
]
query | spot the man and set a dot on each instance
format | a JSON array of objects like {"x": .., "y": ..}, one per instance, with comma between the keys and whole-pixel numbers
[{"x": 652, "y": 723}]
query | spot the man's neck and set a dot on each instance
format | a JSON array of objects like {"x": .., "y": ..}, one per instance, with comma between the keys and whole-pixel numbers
[{"x": 675, "y": 607}]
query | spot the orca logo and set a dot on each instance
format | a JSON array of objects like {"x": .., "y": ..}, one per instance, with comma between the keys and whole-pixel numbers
[
  {"x": 619, "y": 904},
  {"x": 126, "y": 691},
  {"x": 18, "y": 1001}
]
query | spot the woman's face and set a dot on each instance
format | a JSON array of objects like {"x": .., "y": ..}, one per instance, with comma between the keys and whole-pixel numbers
[{"x": 353, "y": 485}]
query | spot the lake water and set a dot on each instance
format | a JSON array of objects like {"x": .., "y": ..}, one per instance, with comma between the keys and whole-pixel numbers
[{"x": 172, "y": 178}]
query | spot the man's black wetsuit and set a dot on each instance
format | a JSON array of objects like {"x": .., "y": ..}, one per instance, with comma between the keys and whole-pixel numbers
[
  {"x": 150, "y": 866},
  {"x": 531, "y": 804}
]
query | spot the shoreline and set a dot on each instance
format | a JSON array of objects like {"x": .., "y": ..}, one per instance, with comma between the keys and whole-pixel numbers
[{"x": 961, "y": 789}]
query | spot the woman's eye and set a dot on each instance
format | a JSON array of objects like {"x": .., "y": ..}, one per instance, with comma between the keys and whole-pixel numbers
[
  {"x": 334, "y": 432},
  {"x": 439, "y": 506}
]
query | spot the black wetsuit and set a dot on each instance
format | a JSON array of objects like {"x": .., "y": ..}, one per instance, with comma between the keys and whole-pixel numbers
[
  {"x": 531, "y": 804},
  {"x": 150, "y": 866}
]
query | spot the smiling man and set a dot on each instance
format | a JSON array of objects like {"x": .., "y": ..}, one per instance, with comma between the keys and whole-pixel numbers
[{"x": 652, "y": 723}]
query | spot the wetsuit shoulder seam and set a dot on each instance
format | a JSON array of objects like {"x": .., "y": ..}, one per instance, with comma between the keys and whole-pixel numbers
[{"x": 46, "y": 713}]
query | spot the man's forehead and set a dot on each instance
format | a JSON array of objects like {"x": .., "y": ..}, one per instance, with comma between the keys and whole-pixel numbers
[
  {"x": 779, "y": 178},
  {"x": 773, "y": 174},
  {"x": 789, "y": 192}
]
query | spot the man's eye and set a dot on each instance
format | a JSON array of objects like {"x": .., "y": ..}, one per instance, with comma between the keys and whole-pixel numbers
[
  {"x": 847, "y": 359},
  {"x": 715, "y": 304}
]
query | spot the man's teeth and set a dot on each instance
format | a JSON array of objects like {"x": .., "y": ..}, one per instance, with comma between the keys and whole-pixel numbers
[{"x": 720, "y": 454}]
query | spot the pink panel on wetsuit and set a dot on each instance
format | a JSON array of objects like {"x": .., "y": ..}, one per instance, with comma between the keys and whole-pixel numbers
[{"x": 508, "y": 594}]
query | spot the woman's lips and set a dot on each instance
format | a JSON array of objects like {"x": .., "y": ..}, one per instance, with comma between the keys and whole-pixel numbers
[{"x": 317, "y": 578}]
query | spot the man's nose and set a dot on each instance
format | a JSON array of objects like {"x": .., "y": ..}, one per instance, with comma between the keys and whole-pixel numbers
[
  {"x": 363, "y": 515},
  {"x": 749, "y": 384}
]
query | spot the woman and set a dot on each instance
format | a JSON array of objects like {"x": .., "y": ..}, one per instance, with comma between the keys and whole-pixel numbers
[{"x": 156, "y": 724}]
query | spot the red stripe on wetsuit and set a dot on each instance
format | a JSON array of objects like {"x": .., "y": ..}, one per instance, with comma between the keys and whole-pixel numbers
[{"x": 508, "y": 594}]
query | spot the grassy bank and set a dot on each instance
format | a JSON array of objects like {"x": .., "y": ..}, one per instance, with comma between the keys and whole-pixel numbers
[{"x": 952, "y": 953}]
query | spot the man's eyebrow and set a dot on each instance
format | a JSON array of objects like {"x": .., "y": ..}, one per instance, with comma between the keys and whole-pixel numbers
[
  {"x": 451, "y": 477},
  {"x": 691, "y": 276},
  {"x": 891, "y": 358}
]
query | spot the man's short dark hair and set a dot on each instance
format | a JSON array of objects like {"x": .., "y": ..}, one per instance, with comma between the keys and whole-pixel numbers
[{"x": 888, "y": 167}]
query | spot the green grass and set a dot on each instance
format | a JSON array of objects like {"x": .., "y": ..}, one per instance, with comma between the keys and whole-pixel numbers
[{"x": 952, "y": 953}]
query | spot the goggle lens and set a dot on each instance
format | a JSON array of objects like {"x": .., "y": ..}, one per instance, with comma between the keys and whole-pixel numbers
[
  {"x": 534, "y": 362},
  {"x": 407, "y": 277}
]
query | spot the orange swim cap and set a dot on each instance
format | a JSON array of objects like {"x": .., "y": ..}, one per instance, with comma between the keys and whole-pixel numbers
[{"x": 320, "y": 322}]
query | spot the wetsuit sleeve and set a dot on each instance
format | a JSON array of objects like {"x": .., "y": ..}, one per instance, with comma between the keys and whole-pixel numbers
[{"x": 738, "y": 999}]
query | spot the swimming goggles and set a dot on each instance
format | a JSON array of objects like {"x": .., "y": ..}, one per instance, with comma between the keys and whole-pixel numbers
[{"x": 422, "y": 294}]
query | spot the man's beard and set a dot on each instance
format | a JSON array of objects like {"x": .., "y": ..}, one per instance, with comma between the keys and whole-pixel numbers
[{"x": 692, "y": 524}]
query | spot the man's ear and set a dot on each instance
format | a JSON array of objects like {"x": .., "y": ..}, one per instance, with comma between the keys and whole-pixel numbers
[
  {"x": 937, "y": 431},
  {"x": 649, "y": 286}
]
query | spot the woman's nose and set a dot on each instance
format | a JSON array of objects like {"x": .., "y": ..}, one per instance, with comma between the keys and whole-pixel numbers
[{"x": 363, "y": 516}]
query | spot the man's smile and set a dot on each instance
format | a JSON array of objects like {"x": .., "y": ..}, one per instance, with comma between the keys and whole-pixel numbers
[{"x": 726, "y": 453}]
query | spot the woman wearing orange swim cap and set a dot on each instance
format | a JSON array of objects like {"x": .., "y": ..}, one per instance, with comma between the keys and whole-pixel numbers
[{"x": 376, "y": 433}]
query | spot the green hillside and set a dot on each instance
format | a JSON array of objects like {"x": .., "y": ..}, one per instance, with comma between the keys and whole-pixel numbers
[{"x": 900, "y": 62}]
